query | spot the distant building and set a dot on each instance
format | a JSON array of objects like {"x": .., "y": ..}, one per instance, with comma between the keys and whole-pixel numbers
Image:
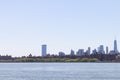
[
  {"x": 118, "y": 57},
  {"x": 30, "y": 55},
  {"x": 94, "y": 51},
  {"x": 115, "y": 47},
  {"x": 88, "y": 51},
  {"x": 101, "y": 49},
  {"x": 107, "y": 50},
  {"x": 80, "y": 52},
  {"x": 44, "y": 50},
  {"x": 115, "y": 51},
  {"x": 6, "y": 57},
  {"x": 72, "y": 53},
  {"x": 112, "y": 52},
  {"x": 61, "y": 54}
]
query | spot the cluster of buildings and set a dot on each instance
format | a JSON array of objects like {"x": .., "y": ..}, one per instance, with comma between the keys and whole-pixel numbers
[
  {"x": 81, "y": 52},
  {"x": 100, "y": 53}
]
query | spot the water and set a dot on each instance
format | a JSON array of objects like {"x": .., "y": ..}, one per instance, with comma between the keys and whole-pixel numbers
[{"x": 59, "y": 71}]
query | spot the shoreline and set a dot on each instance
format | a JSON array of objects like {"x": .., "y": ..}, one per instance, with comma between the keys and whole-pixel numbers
[{"x": 59, "y": 62}]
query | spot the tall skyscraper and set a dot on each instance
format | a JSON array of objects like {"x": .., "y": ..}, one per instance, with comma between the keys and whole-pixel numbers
[
  {"x": 89, "y": 50},
  {"x": 101, "y": 49},
  {"x": 115, "y": 46},
  {"x": 44, "y": 50},
  {"x": 107, "y": 50},
  {"x": 72, "y": 53}
]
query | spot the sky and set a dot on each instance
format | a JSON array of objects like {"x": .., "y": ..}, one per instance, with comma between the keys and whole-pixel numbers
[{"x": 61, "y": 24}]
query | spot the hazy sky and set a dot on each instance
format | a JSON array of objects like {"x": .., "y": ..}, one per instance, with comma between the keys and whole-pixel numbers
[{"x": 61, "y": 24}]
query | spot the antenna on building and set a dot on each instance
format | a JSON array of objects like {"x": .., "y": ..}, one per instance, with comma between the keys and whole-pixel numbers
[{"x": 115, "y": 37}]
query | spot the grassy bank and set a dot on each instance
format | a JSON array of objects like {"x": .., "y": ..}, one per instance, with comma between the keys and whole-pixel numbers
[{"x": 52, "y": 60}]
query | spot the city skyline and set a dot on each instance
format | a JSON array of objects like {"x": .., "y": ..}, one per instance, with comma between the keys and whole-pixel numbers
[
  {"x": 99, "y": 50},
  {"x": 62, "y": 25}
]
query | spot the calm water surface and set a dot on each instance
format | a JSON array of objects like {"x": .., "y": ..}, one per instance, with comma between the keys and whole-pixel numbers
[{"x": 59, "y": 71}]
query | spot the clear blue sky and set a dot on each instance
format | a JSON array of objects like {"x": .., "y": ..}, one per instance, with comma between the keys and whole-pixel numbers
[{"x": 61, "y": 24}]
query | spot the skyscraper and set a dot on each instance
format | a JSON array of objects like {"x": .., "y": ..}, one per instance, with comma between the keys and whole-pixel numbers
[
  {"x": 107, "y": 50},
  {"x": 101, "y": 49},
  {"x": 44, "y": 50},
  {"x": 89, "y": 50},
  {"x": 115, "y": 46},
  {"x": 72, "y": 53}
]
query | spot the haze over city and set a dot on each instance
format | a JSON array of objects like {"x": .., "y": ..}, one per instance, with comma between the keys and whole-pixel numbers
[{"x": 61, "y": 24}]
